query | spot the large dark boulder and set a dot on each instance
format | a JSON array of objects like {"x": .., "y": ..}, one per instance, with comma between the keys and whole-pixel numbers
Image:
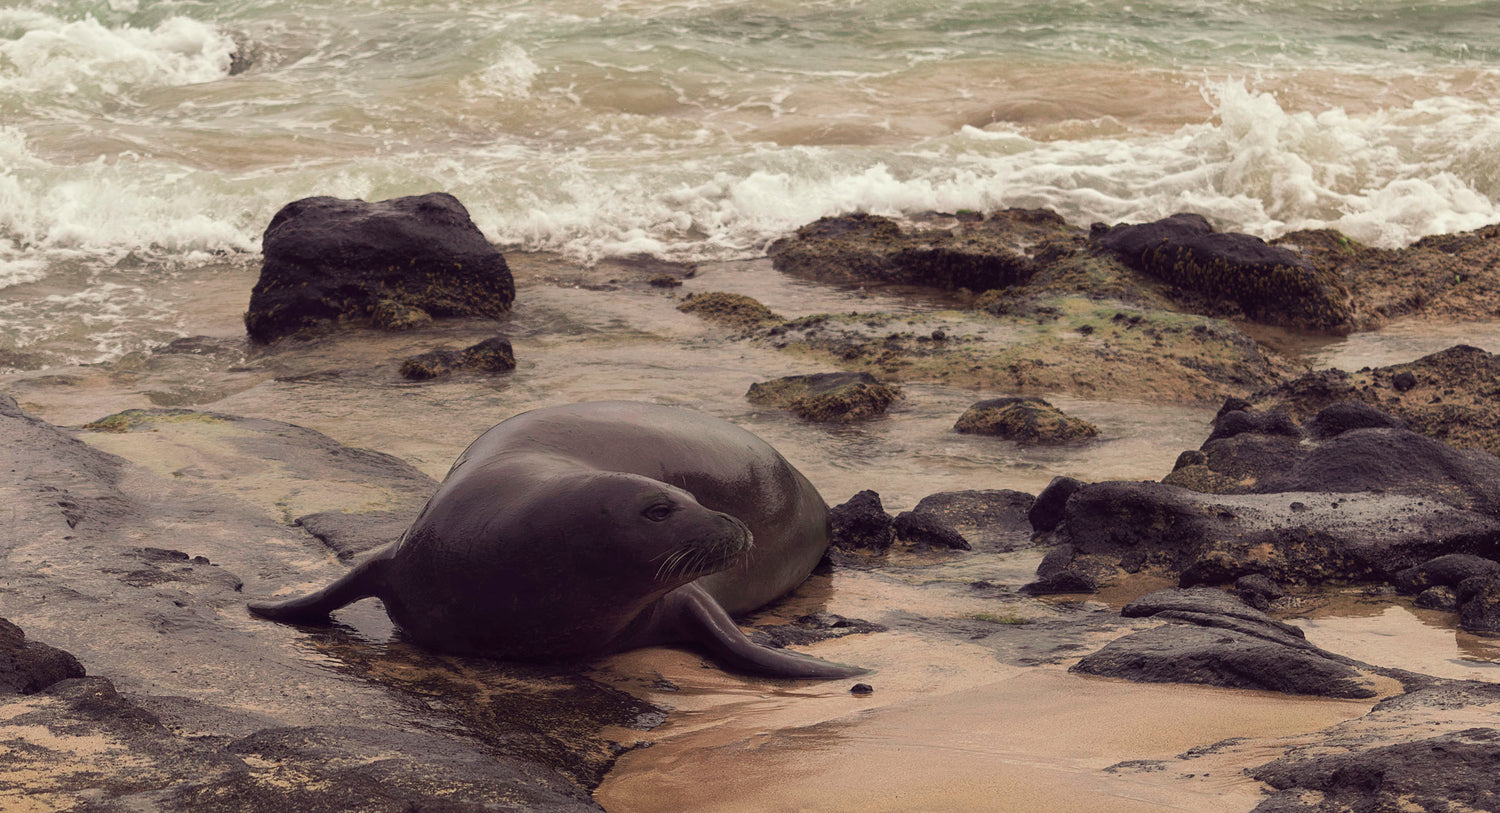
[
  {"x": 330, "y": 260},
  {"x": 1270, "y": 284}
]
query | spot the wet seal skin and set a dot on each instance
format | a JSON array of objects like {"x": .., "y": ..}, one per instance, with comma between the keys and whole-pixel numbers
[{"x": 571, "y": 532}]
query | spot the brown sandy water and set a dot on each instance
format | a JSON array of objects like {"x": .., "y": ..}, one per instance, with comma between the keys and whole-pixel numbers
[
  {"x": 951, "y": 724},
  {"x": 948, "y": 726}
]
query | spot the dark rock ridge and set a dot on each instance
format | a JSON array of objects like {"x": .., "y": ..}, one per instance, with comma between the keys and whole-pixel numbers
[
  {"x": 27, "y": 667},
  {"x": 1023, "y": 419},
  {"x": 1270, "y": 284},
  {"x": 1361, "y": 505},
  {"x": 826, "y": 397},
  {"x": 1452, "y": 395},
  {"x": 1215, "y": 639},
  {"x": 394, "y": 262}
]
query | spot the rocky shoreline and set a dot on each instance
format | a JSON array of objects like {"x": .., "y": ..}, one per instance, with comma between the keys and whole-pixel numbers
[{"x": 132, "y": 678}]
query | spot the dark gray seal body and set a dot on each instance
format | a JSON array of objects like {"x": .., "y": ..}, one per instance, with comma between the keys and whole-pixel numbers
[{"x": 572, "y": 532}]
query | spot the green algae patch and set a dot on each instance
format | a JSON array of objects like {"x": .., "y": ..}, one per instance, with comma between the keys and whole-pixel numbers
[
  {"x": 731, "y": 310},
  {"x": 132, "y": 419},
  {"x": 1071, "y": 345}
]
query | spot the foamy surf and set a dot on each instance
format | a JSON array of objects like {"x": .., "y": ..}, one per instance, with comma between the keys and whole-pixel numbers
[{"x": 705, "y": 130}]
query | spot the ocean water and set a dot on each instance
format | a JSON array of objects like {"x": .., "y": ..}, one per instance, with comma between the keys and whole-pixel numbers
[{"x": 141, "y": 140}]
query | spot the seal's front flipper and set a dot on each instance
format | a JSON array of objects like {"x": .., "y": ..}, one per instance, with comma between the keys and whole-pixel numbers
[
  {"x": 314, "y": 608},
  {"x": 703, "y": 622}
]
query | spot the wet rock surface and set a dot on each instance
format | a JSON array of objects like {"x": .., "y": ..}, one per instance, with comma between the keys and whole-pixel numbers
[
  {"x": 1430, "y": 749},
  {"x": 395, "y": 263},
  {"x": 190, "y": 703},
  {"x": 1215, "y": 639}
]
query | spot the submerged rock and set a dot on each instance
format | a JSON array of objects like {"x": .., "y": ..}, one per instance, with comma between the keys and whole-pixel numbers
[
  {"x": 493, "y": 355},
  {"x": 1024, "y": 420},
  {"x": 924, "y": 530},
  {"x": 731, "y": 310},
  {"x": 826, "y": 397},
  {"x": 395, "y": 262},
  {"x": 993, "y": 520}
]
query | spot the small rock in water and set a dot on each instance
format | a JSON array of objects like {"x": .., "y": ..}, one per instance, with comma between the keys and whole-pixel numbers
[{"x": 861, "y": 688}]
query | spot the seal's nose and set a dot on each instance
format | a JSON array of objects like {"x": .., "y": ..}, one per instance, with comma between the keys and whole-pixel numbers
[{"x": 739, "y": 531}]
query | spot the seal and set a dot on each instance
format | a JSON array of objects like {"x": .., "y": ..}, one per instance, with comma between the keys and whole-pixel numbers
[{"x": 571, "y": 532}]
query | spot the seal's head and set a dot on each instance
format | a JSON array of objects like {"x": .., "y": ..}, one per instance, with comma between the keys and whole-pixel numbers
[{"x": 656, "y": 532}]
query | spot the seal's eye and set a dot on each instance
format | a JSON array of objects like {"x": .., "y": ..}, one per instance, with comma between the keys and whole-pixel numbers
[{"x": 658, "y": 512}]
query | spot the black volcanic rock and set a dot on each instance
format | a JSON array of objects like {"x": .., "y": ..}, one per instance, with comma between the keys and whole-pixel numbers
[
  {"x": 1270, "y": 284},
  {"x": 330, "y": 260}
]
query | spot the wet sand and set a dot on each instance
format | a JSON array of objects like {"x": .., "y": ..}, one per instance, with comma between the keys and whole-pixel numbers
[
  {"x": 1033, "y": 739},
  {"x": 949, "y": 726}
]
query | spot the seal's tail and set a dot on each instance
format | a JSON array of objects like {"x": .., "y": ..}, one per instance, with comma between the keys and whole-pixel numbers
[{"x": 313, "y": 608}]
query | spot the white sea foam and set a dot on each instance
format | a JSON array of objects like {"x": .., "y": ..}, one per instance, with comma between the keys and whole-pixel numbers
[
  {"x": 509, "y": 76},
  {"x": 1387, "y": 178},
  {"x": 52, "y": 56}
]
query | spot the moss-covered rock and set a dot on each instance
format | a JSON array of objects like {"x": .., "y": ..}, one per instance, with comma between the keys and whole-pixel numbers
[
  {"x": 1024, "y": 420},
  {"x": 493, "y": 355},
  {"x": 730, "y": 310},
  {"x": 826, "y": 397},
  {"x": 1270, "y": 284},
  {"x": 1452, "y": 395},
  {"x": 962, "y": 252}
]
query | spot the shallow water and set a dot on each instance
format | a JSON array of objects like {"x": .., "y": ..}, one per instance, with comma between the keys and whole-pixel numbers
[{"x": 164, "y": 134}]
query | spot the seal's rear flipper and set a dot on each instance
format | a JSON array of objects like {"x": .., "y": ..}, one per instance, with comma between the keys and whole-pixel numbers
[
  {"x": 705, "y": 623},
  {"x": 314, "y": 608}
]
